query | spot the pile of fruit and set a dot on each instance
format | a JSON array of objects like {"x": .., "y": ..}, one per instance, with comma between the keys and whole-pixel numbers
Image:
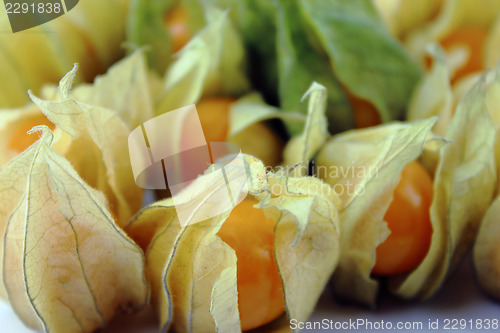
[{"x": 369, "y": 133}]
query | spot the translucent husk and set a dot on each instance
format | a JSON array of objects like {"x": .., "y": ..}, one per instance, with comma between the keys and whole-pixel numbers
[
  {"x": 93, "y": 123},
  {"x": 425, "y": 102},
  {"x": 247, "y": 130},
  {"x": 464, "y": 181},
  {"x": 402, "y": 16},
  {"x": 486, "y": 251},
  {"x": 364, "y": 167},
  {"x": 64, "y": 262},
  {"x": 193, "y": 272},
  {"x": 204, "y": 68},
  {"x": 91, "y": 34},
  {"x": 452, "y": 15},
  {"x": 464, "y": 184},
  {"x": 12, "y": 123}
]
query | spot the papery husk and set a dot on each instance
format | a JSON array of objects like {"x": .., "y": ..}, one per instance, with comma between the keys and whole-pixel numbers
[
  {"x": 464, "y": 184},
  {"x": 65, "y": 265},
  {"x": 94, "y": 123},
  {"x": 204, "y": 67},
  {"x": 486, "y": 252},
  {"x": 464, "y": 181},
  {"x": 363, "y": 167},
  {"x": 485, "y": 249},
  {"x": 248, "y": 130},
  {"x": 433, "y": 96},
  {"x": 193, "y": 272},
  {"x": 11, "y": 123},
  {"x": 90, "y": 34},
  {"x": 402, "y": 16},
  {"x": 493, "y": 105},
  {"x": 251, "y": 109},
  {"x": 492, "y": 81},
  {"x": 128, "y": 88},
  {"x": 454, "y": 14},
  {"x": 301, "y": 148},
  {"x": 492, "y": 45}
]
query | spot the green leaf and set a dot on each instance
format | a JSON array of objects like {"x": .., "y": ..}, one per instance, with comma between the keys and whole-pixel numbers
[
  {"x": 145, "y": 28},
  {"x": 256, "y": 22},
  {"x": 366, "y": 59},
  {"x": 299, "y": 64}
]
